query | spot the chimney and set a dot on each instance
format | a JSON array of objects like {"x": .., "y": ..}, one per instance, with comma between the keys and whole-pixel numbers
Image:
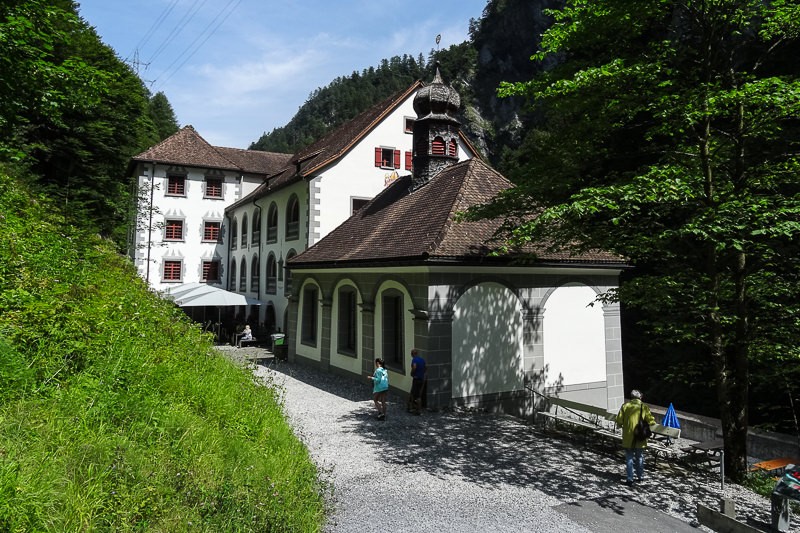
[{"x": 435, "y": 130}]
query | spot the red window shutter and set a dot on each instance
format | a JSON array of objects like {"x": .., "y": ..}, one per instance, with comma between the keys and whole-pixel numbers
[
  {"x": 409, "y": 160},
  {"x": 453, "y": 148},
  {"x": 397, "y": 159},
  {"x": 437, "y": 146},
  {"x": 377, "y": 157}
]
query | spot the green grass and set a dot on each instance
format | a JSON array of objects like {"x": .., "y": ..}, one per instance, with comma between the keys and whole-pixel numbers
[{"x": 116, "y": 414}]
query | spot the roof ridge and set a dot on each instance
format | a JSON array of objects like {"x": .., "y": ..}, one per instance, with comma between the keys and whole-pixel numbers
[
  {"x": 445, "y": 228},
  {"x": 388, "y": 105},
  {"x": 458, "y": 200}
]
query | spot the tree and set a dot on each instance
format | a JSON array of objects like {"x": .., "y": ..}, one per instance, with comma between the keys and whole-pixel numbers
[
  {"x": 671, "y": 136},
  {"x": 162, "y": 115},
  {"x": 71, "y": 110}
]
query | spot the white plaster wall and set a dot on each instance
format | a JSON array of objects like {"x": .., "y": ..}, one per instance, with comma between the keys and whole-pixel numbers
[
  {"x": 355, "y": 175},
  {"x": 193, "y": 209},
  {"x": 573, "y": 337},
  {"x": 282, "y": 247},
  {"x": 487, "y": 342},
  {"x": 339, "y": 360}
]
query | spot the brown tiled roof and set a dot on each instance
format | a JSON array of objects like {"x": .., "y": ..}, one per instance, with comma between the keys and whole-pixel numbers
[
  {"x": 420, "y": 226},
  {"x": 187, "y": 148},
  {"x": 255, "y": 161}
]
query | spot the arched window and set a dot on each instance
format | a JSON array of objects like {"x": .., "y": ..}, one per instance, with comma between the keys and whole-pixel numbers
[
  {"x": 232, "y": 279},
  {"x": 347, "y": 326},
  {"x": 243, "y": 277},
  {"x": 293, "y": 218},
  {"x": 437, "y": 146},
  {"x": 452, "y": 148},
  {"x": 234, "y": 233},
  {"x": 309, "y": 315},
  {"x": 255, "y": 231},
  {"x": 244, "y": 230},
  {"x": 272, "y": 223},
  {"x": 272, "y": 274},
  {"x": 392, "y": 327},
  {"x": 255, "y": 269},
  {"x": 287, "y": 285}
]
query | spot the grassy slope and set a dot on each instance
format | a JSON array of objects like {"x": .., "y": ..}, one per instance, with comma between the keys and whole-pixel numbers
[{"x": 115, "y": 413}]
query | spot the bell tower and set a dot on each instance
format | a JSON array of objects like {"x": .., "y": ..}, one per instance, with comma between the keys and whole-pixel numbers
[{"x": 435, "y": 130}]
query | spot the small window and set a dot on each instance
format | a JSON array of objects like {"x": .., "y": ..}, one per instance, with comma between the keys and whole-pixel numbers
[
  {"x": 287, "y": 284},
  {"x": 234, "y": 233},
  {"x": 172, "y": 270},
  {"x": 210, "y": 271},
  {"x": 211, "y": 231},
  {"x": 409, "y": 160},
  {"x": 357, "y": 204},
  {"x": 387, "y": 158},
  {"x": 244, "y": 231},
  {"x": 255, "y": 280},
  {"x": 308, "y": 329},
  {"x": 272, "y": 223},
  {"x": 255, "y": 230},
  {"x": 173, "y": 230},
  {"x": 232, "y": 280},
  {"x": 213, "y": 188},
  {"x": 176, "y": 185},
  {"x": 408, "y": 125},
  {"x": 272, "y": 274},
  {"x": 293, "y": 219},
  {"x": 243, "y": 277}
]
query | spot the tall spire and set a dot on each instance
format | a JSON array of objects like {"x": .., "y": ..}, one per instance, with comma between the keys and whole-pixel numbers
[{"x": 436, "y": 129}]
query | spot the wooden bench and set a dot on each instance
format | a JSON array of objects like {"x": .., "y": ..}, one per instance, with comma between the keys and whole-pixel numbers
[
  {"x": 661, "y": 441},
  {"x": 576, "y": 414},
  {"x": 776, "y": 467}
]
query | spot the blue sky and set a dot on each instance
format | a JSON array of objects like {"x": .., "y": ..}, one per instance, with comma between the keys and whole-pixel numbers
[{"x": 237, "y": 68}]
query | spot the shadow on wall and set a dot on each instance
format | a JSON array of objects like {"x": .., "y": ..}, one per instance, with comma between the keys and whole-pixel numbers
[{"x": 487, "y": 335}]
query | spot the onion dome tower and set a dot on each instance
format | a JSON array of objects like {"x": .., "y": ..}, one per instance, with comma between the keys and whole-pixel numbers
[{"x": 436, "y": 130}]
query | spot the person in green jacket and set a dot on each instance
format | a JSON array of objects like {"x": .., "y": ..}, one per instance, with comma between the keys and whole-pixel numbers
[{"x": 629, "y": 415}]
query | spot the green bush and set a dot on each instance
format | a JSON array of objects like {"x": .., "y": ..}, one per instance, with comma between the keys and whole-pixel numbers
[{"x": 116, "y": 413}]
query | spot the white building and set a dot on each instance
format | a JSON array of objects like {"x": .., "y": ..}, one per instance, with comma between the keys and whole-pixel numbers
[
  {"x": 184, "y": 186},
  {"x": 232, "y": 218},
  {"x": 319, "y": 188}
]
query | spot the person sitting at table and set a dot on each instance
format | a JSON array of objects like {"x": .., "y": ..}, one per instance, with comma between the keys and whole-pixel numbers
[
  {"x": 628, "y": 417},
  {"x": 245, "y": 335}
]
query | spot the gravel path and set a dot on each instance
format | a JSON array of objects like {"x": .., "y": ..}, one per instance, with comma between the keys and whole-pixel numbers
[{"x": 472, "y": 471}]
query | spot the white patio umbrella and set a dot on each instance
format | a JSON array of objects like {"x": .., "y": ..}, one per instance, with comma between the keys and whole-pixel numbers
[
  {"x": 213, "y": 296},
  {"x": 185, "y": 289}
]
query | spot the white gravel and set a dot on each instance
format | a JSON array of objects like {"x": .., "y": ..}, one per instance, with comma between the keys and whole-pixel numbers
[{"x": 471, "y": 471}]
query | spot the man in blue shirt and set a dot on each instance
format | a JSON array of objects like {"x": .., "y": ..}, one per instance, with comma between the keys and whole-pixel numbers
[{"x": 418, "y": 375}]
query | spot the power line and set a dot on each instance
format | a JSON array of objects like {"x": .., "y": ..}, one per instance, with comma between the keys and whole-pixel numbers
[
  {"x": 153, "y": 27},
  {"x": 181, "y": 24}
]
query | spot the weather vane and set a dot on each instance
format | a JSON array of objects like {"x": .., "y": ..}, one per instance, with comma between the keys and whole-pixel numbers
[{"x": 438, "y": 40}]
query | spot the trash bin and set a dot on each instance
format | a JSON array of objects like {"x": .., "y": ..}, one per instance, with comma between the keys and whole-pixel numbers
[{"x": 279, "y": 348}]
